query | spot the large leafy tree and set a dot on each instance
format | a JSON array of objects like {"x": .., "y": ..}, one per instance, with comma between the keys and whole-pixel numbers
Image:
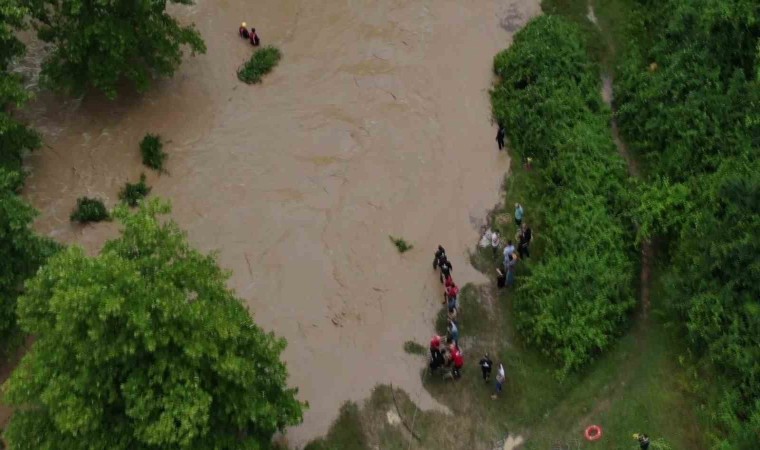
[
  {"x": 15, "y": 137},
  {"x": 144, "y": 347},
  {"x": 21, "y": 252},
  {"x": 98, "y": 43}
]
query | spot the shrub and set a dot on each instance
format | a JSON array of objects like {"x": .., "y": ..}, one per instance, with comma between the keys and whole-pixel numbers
[
  {"x": 401, "y": 245},
  {"x": 152, "y": 150},
  {"x": 576, "y": 298},
  {"x": 134, "y": 192},
  {"x": 89, "y": 210},
  {"x": 261, "y": 63}
]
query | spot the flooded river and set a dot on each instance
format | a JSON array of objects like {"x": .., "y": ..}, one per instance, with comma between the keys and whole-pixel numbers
[{"x": 375, "y": 123}]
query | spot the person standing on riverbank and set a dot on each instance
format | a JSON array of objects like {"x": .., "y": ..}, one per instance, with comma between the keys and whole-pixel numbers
[
  {"x": 500, "y": 136},
  {"x": 454, "y": 333},
  {"x": 495, "y": 243},
  {"x": 500, "y": 378},
  {"x": 519, "y": 213},
  {"x": 526, "y": 236},
  {"x": 510, "y": 268},
  {"x": 485, "y": 366}
]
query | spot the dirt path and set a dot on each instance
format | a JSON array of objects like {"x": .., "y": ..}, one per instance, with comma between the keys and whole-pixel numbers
[
  {"x": 633, "y": 169},
  {"x": 376, "y": 122}
]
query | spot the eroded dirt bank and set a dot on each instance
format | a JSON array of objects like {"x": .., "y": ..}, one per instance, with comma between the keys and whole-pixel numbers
[{"x": 376, "y": 122}]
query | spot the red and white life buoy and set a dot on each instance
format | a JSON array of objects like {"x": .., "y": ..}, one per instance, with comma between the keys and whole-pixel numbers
[{"x": 593, "y": 433}]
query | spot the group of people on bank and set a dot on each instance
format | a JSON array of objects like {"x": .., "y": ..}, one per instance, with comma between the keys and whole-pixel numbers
[
  {"x": 445, "y": 354},
  {"x": 511, "y": 253}
]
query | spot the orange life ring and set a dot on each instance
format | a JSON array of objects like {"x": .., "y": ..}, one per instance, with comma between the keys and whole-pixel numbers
[{"x": 593, "y": 433}]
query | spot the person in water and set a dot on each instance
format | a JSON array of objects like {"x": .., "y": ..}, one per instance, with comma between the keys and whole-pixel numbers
[
  {"x": 254, "y": 38},
  {"x": 243, "y": 31}
]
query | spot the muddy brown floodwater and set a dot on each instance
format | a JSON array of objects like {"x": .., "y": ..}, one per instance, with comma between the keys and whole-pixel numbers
[{"x": 376, "y": 122}]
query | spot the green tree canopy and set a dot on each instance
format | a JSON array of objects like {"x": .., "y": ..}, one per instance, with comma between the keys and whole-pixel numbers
[
  {"x": 101, "y": 42},
  {"x": 144, "y": 347},
  {"x": 15, "y": 137},
  {"x": 21, "y": 251}
]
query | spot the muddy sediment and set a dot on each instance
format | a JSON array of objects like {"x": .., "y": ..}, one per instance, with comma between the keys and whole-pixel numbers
[{"x": 376, "y": 122}]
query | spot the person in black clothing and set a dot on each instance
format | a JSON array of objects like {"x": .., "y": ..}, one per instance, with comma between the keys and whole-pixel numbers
[
  {"x": 439, "y": 254},
  {"x": 644, "y": 442},
  {"x": 501, "y": 278},
  {"x": 254, "y": 38},
  {"x": 500, "y": 136},
  {"x": 446, "y": 268},
  {"x": 243, "y": 31},
  {"x": 485, "y": 366},
  {"x": 526, "y": 235},
  {"x": 436, "y": 358}
]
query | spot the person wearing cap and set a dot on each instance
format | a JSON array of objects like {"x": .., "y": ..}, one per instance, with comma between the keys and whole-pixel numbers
[
  {"x": 243, "y": 31},
  {"x": 254, "y": 38}
]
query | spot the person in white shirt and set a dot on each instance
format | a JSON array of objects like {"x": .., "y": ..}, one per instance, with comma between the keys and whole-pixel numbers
[
  {"x": 495, "y": 242},
  {"x": 500, "y": 378}
]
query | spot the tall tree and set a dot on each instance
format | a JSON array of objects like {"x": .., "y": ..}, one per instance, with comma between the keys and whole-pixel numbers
[
  {"x": 21, "y": 252},
  {"x": 98, "y": 43},
  {"x": 144, "y": 347},
  {"x": 15, "y": 138}
]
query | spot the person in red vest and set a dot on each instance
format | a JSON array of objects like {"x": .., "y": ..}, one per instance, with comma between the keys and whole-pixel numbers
[
  {"x": 254, "y": 38},
  {"x": 458, "y": 362}
]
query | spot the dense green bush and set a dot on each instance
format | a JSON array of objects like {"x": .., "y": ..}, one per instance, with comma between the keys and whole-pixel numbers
[
  {"x": 689, "y": 103},
  {"x": 89, "y": 210},
  {"x": 261, "y": 63},
  {"x": 132, "y": 193},
  {"x": 144, "y": 347},
  {"x": 577, "y": 296},
  {"x": 152, "y": 151}
]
